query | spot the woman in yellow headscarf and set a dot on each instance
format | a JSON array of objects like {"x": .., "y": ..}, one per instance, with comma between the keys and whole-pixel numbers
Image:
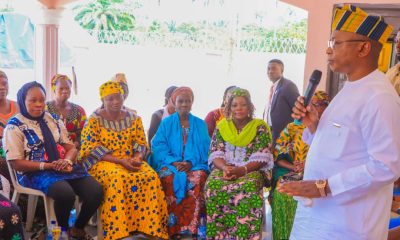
[{"x": 113, "y": 149}]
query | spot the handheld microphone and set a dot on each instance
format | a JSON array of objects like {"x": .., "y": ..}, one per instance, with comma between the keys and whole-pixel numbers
[{"x": 312, "y": 86}]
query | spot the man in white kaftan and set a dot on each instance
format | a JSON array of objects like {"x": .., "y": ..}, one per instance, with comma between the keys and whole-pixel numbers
[{"x": 354, "y": 156}]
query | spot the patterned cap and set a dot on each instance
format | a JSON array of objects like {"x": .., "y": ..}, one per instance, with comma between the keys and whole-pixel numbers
[
  {"x": 352, "y": 19},
  {"x": 109, "y": 88}
]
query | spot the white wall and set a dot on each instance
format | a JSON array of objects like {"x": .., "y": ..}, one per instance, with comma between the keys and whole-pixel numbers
[{"x": 150, "y": 70}]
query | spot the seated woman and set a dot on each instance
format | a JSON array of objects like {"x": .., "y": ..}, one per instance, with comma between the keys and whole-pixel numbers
[
  {"x": 113, "y": 147},
  {"x": 238, "y": 155},
  {"x": 8, "y": 109},
  {"x": 291, "y": 153},
  {"x": 10, "y": 220},
  {"x": 160, "y": 114},
  {"x": 38, "y": 147},
  {"x": 71, "y": 114},
  {"x": 180, "y": 149},
  {"x": 215, "y": 116}
]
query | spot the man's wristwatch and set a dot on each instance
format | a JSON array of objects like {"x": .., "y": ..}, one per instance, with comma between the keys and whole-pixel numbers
[{"x": 321, "y": 184}]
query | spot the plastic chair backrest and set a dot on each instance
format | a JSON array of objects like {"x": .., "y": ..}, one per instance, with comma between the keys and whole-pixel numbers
[{"x": 13, "y": 175}]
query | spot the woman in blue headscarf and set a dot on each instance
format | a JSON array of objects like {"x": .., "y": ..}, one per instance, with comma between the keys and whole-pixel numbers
[
  {"x": 38, "y": 147},
  {"x": 180, "y": 153}
]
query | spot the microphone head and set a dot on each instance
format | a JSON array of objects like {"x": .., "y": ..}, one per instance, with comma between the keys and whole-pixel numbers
[{"x": 316, "y": 77}]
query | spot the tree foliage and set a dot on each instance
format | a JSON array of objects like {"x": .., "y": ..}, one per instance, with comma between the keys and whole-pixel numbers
[
  {"x": 297, "y": 30},
  {"x": 104, "y": 15}
]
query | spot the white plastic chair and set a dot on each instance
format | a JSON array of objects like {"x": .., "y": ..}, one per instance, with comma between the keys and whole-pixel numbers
[
  {"x": 32, "y": 200},
  {"x": 33, "y": 195}
]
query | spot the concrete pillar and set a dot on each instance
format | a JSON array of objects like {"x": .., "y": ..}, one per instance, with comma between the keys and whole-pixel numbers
[{"x": 47, "y": 46}]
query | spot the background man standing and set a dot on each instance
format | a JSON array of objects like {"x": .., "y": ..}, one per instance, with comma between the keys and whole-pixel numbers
[{"x": 282, "y": 96}]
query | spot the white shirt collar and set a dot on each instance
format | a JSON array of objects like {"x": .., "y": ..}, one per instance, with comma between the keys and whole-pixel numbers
[{"x": 277, "y": 82}]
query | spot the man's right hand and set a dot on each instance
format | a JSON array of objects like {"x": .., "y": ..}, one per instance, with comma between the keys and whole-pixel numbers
[{"x": 308, "y": 115}]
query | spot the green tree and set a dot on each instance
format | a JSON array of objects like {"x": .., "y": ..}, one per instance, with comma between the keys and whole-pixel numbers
[
  {"x": 188, "y": 28},
  {"x": 155, "y": 26},
  {"x": 104, "y": 15},
  {"x": 297, "y": 30}
]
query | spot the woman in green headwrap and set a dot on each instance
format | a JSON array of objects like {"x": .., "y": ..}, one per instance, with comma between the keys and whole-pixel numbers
[{"x": 238, "y": 153}]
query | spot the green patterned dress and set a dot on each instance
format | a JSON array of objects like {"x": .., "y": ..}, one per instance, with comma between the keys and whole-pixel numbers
[{"x": 235, "y": 208}]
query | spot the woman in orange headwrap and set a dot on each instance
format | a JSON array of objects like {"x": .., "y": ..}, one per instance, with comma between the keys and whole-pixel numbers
[{"x": 180, "y": 151}]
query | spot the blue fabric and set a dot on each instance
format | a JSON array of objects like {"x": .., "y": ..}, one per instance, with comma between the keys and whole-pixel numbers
[
  {"x": 396, "y": 191},
  {"x": 394, "y": 222},
  {"x": 167, "y": 147},
  {"x": 42, "y": 180},
  {"x": 48, "y": 140},
  {"x": 17, "y": 36}
]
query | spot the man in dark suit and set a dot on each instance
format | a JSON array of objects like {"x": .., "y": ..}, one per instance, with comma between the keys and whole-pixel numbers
[{"x": 283, "y": 95}]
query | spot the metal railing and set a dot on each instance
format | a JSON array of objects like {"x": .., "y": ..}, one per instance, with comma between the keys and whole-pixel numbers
[{"x": 200, "y": 40}]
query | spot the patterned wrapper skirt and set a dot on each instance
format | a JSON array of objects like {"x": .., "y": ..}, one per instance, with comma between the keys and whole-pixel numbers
[
  {"x": 133, "y": 201},
  {"x": 10, "y": 220},
  {"x": 184, "y": 218},
  {"x": 234, "y": 208},
  {"x": 283, "y": 211}
]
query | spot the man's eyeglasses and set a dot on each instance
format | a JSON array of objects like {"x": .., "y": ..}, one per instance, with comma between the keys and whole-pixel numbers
[{"x": 332, "y": 43}]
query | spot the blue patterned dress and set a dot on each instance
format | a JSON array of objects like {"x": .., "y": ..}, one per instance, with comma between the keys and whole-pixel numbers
[{"x": 23, "y": 139}]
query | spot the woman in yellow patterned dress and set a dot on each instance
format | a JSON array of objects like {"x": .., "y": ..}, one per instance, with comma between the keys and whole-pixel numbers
[
  {"x": 113, "y": 148},
  {"x": 290, "y": 155}
]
